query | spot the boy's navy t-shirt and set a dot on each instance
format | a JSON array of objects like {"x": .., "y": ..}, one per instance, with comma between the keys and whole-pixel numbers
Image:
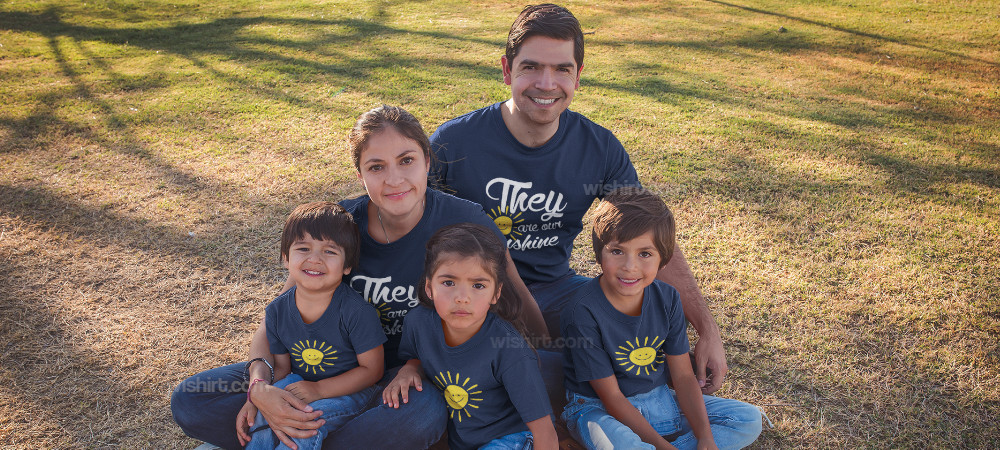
[
  {"x": 388, "y": 274},
  {"x": 602, "y": 341},
  {"x": 491, "y": 382},
  {"x": 330, "y": 345},
  {"x": 536, "y": 196}
]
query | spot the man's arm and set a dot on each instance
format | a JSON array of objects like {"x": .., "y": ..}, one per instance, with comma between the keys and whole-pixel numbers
[{"x": 708, "y": 352}]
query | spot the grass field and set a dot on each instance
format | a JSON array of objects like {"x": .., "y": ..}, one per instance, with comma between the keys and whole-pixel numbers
[{"x": 834, "y": 167}]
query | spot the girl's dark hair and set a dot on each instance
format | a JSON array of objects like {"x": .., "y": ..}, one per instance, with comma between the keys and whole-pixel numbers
[
  {"x": 465, "y": 240},
  {"x": 380, "y": 118}
]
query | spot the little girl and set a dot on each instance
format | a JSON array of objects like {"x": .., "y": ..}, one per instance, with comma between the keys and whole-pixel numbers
[{"x": 468, "y": 339}]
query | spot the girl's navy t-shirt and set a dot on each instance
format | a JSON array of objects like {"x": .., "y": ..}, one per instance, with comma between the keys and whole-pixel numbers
[
  {"x": 491, "y": 382},
  {"x": 388, "y": 274}
]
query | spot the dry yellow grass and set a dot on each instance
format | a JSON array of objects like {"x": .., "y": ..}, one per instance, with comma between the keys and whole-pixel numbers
[{"x": 837, "y": 189}]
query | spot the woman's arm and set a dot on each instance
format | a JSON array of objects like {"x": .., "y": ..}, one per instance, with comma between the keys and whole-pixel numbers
[
  {"x": 708, "y": 352},
  {"x": 690, "y": 400},
  {"x": 287, "y": 415},
  {"x": 619, "y": 407},
  {"x": 532, "y": 315},
  {"x": 368, "y": 372}
]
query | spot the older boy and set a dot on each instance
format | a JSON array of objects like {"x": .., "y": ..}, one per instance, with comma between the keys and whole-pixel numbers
[
  {"x": 536, "y": 167},
  {"x": 624, "y": 325}
]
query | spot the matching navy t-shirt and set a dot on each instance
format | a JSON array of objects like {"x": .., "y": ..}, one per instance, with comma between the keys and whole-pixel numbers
[
  {"x": 491, "y": 382},
  {"x": 602, "y": 341},
  {"x": 388, "y": 274},
  {"x": 536, "y": 196},
  {"x": 330, "y": 345}
]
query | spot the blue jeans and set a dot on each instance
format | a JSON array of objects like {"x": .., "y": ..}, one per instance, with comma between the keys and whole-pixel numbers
[
  {"x": 336, "y": 412},
  {"x": 513, "y": 441},
  {"x": 206, "y": 404},
  {"x": 734, "y": 424},
  {"x": 553, "y": 296}
]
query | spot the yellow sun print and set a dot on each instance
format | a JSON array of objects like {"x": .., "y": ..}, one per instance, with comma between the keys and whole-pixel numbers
[
  {"x": 314, "y": 356},
  {"x": 640, "y": 356},
  {"x": 383, "y": 311},
  {"x": 505, "y": 222},
  {"x": 458, "y": 395}
]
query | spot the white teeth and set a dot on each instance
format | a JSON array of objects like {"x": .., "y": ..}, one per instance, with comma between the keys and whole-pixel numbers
[{"x": 543, "y": 101}]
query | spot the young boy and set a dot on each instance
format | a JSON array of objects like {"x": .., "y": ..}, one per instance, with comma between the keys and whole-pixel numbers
[
  {"x": 321, "y": 331},
  {"x": 619, "y": 332}
]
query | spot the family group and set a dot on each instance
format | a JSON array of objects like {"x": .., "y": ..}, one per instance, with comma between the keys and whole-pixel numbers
[{"x": 443, "y": 303}]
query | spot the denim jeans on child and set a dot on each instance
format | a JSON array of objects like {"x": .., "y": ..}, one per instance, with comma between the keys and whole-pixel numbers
[
  {"x": 513, "y": 441},
  {"x": 336, "y": 412},
  {"x": 734, "y": 424}
]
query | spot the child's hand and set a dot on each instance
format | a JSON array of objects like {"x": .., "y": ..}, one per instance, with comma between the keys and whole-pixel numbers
[
  {"x": 400, "y": 386},
  {"x": 244, "y": 420},
  {"x": 307, "y": 391}
]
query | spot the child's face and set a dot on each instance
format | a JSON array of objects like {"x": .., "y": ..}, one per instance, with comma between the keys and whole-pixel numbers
[
  {"x": 316, "y": 265},
  {"x": 628, "y": 267},
  {"x": 463, "y": 292},
  {"x": 394, "y": 169}
]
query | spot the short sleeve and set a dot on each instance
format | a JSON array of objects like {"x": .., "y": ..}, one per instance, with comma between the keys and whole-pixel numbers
[
  {"x": 677, "y": 341},
  {"x": 364, "y": 328},
  {"x": 271, "y": 326},
  {"x": 523, "y": 383},
  {"x": 621, "y": 172},
  {"x": 590, "y": 359},
  {"x": 408, "y": 343}
]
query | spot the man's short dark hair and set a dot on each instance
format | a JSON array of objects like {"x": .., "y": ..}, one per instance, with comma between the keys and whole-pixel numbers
[
  {"x": 325, "y": 221},
  {"x": 629, "y": 212},
  {"x": 547, "y": 20}
]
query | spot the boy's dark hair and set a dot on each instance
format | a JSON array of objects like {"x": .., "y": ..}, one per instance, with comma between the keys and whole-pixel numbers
[
  {"x": 551, "y": 21},
  {"x": 472, "y": 240},
  {"x": 626, "y": 213},
  {"x": 326, "y": 221}
]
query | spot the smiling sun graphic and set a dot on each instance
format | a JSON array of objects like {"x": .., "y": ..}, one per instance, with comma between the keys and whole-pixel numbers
[
  {"x": 640, "y": 356},
  {"x": 315, "y": 356},
  {"x": 459, "y": 396},
  {"x": 505, "y": 222}
]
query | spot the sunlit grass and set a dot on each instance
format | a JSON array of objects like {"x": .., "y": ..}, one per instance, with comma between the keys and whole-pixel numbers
[{"x": 833, "y": 167}]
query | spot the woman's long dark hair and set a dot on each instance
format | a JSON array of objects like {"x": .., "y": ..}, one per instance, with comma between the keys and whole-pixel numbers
[{"x": 465, "y": 240}]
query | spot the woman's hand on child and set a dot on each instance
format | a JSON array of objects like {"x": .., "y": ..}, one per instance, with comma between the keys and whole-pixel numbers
[
  {"x": 400, "y": 387},
  {"x": 307, "y": 391},
  {"x": 286, "y": 414},
  {"x": 244, "y": 421}
]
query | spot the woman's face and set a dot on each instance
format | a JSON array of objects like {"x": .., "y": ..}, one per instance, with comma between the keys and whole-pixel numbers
[{"x": 393, "y": 169}]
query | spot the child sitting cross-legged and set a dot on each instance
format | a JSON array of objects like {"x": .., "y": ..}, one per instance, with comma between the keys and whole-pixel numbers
[
  {"x": 323, "y": 335},
  {"x": 626, "y": 337}
]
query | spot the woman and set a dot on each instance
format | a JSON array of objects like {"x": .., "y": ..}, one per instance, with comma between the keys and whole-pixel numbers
[{"x": 392, "y": 155}]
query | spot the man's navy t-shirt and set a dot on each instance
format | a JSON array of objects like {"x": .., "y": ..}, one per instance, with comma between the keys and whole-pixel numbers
[{"x": 536, "y": 196}]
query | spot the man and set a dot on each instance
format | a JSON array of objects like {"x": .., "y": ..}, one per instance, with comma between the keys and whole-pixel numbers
[{"x": 536, "y": 167}]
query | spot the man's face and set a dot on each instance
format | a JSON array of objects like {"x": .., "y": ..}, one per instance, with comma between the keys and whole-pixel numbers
[{"x": 542, "y": 79}]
